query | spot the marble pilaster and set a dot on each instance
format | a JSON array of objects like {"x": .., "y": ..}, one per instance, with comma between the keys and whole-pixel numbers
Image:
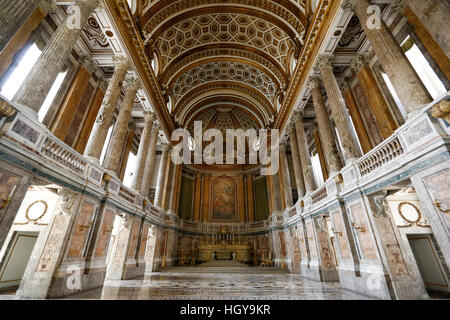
[
  {"x": 112, "y": 161},
  {"x": 39, "y": 81},
  {"x": 296, "y": 162},
  {"x": 401, "y": 73},
  {"x": 143, "y": 150},
  {"x": 326, "y": 134},
  {"x": 305, "y": 156},
  {"x": 161, "y": 175},
  {"x": 338, "y": 108},
  {"x": 105, "y": 115}
]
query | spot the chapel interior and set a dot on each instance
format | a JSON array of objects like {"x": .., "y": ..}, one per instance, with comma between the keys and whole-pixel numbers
[{"x": 93, "y": 204}]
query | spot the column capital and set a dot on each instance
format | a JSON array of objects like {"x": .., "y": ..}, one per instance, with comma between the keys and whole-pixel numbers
[
  {"x": 358, "y": 62},
  {"x": 149, "y": 116},
  {"x": 313, "y": 82},
  {"x": 156, "y": 126},
  {"x": 298, "y": 115},
  {"x": 344, "y": 84},
  {"x": 121, "y": 62},
  {"x": 324, "y": 61},
  {"x": 132, "y": 83},
  {"x": 88, "y": 63}
]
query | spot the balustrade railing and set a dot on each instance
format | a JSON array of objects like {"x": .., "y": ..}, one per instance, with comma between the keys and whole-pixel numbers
[
  {"x": 65, "y": 157},
  {"x": 380, "y": 155}
]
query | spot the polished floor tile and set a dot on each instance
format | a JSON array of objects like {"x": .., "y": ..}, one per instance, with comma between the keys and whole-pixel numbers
[{"x": 236, "y": 284}]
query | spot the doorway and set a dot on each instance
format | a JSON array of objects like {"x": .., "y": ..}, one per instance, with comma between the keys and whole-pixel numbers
[
  {"x": 15, "y": 260},
  {"x": 428, "y": 263}
]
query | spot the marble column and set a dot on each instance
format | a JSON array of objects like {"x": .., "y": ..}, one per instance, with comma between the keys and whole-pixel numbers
[
  {"x": 305, "y": 156},
  {"x": 287, "y": 189},
  {"x": 338, "y": 108},
  {"x": 401, "y": 73},
  {"x": 296, "y": 161},
  {"x": 148, "y": 169},
  {"x": 119, "y": 134},
  {"x": 105, "y": 115},
  {"x": 325, "y": 131},
  {"x": 143, "y": 151},
  {"x": 161, "y": 175},
  {"x": 13, "y": 14},
  {"x": 39, "y": 81}
]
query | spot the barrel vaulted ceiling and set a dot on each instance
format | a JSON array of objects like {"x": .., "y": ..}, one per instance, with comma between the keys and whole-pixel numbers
[
  {"x": 250, "y": 57},
  {"x": 235, "y": 56}
]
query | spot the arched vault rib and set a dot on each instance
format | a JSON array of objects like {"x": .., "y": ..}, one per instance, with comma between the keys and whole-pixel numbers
[
  {"x": 232, "y": 53},
  {"x": 285, "y": 13},
  {"x": 223, "y": 90},
  {"x": 214, "y": 102},
  {"x": 229, "y": 70}
]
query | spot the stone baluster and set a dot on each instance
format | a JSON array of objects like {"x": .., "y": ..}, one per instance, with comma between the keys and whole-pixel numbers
[
  {"x": 13, "y": 14},
  {"x": 161, "y": 175},
  {"x": 285, "y": 176},
  {"x": 326, "y": 134},
  {"x": 143, "y": 150},
  {"x": 338, "y": 108},
  {"x": 119, "y": 134},
  {"x": 305, "y": 157},
  {"x": 39, "y": 81},
  {"x": 296, "y": 161},
  {"x": 105, "y": 115},
  {"x": 148, "y": 169},
  {"x": 401, "y": 73}
]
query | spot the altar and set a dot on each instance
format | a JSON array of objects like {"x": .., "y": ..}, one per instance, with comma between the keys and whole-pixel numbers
[{"x": 237, "y": 252}]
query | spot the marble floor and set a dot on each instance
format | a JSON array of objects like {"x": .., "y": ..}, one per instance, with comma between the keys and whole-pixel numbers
[{"x": 220, "y": 282}]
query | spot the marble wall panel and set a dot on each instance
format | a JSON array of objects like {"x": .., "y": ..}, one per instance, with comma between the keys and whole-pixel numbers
[
  {"x": 79, "y": 116},
  {"x": 311, "y": 240},
  {"x": 144, "y": 240},
  {"x": 364, "y": 238},
  {"x": 105, "y": 233},
  {"x": 326, "y": 256},
  {"x": 438, "y": 185},
  {"x": 342, "y": 239},
  {"x": 134, "y": 238},
  {"x": 368, "y": 116},
  {"x": 301, "y": 236},
  {"x": 82, "y": 226}
]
